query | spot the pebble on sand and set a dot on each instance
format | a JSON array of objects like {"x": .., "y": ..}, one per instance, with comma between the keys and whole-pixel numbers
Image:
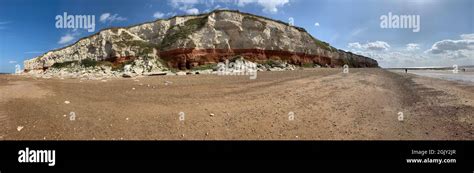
[
  {"x": 67, "y": 102},
  {"x": 19, "y": 128}
]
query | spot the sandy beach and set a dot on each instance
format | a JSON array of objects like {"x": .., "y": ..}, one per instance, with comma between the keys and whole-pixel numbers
[{"x": 312, "y": 104}]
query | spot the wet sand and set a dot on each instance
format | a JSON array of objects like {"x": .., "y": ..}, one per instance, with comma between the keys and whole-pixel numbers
[{"x": 325, "y": 104}]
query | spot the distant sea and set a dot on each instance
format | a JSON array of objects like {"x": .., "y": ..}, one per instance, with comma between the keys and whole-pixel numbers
[{"x": 465, "y": 74}]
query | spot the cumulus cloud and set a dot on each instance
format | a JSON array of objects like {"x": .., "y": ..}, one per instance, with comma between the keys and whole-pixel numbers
[
  {"x": 441, "y": 53},
  {"x": 66, "y": 39},
  {"x": 374, "y": 46},
  {"x": 355, "y": 45},
  {"x": 186, "y": 6},
  {"x": 387, "y": 56},
  {"x": 467, "y": 36},
  {"x": 456, "y": 48},
  {"x": 316, "y": 24},
  {"x": 12, "y": 62},
  {"x": 269, "y": 6},
  {"x": 377, "y": 45},
  {"x": 180, "y": 3},
  {"x": 158, "y": 15},
  {"x": 192, "y": 11},
  {"x": 107, "y": 17},
  {"x": 401, "y": 58},
  {"x": 412, "y": 47}
]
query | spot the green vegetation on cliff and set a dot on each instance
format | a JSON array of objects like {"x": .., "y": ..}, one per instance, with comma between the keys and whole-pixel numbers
[
  {"x": 177, "y": 32},
  {"x": 63, "y": 64},
  {"x": 84, "y": 63},
  {"x": 324, "y": 45},
  {"x": 205, "y": 67}
]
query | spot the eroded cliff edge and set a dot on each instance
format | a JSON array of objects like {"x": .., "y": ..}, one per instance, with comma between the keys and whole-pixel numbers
[{"x": 186, "y": 42}]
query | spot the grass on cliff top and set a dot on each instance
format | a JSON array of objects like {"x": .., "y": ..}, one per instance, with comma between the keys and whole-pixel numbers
[
  {"x": 308, "y": 65},
  {"x": 177, "y": 32},
  {"x": 205, "y": 67},
  {"x": 63, "y": 64},
  {"x": 84, "y": 63},
  {"x": 324, "y": 45},
  {"x": 350, "y": 62},
  {"x": 93, "y": 63}
]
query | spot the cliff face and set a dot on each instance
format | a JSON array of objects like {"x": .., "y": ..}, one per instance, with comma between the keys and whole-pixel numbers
[{"x": 188, "y": 41}]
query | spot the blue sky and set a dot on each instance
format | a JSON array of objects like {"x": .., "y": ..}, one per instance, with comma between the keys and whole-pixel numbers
[{"x": 446, "y": 36}]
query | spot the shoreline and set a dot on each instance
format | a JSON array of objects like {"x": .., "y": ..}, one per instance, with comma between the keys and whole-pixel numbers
[{"x": 461, "y": 77}]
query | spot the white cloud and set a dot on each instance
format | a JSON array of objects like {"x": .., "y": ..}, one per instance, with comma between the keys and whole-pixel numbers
[
  {"x": 456, "y": 48},
  {"x": 467, "y": 36},
  {"x": 400, "y": 58},
  {"x": 387, "y": 56},
  {"x": 3, "y": 23},
  {"x": 192, "y": 11},
  {"x": 12, "y": 62},
  {"x": 66, "y": 39},
  {"x": 158, "y": 15},
  {"x": 214, "y": 8},
  {"x": 269, "y": 6},
  {"x": 180, "y": 3},
  {"x": 104, "y": 17},
  {"x": 375, "y": 46},
  {"x": 187, "y": 6},
  {"x": 107, "y": 17},
  {"x": 355, "y": 45},
  {"x": 442, "y": 53},
  {"x": 316, "y": 24},
  {"x": 412, "y": 47}
]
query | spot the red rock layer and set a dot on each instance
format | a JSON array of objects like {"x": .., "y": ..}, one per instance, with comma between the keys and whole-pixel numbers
[{"x": 188, "y": 58}]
